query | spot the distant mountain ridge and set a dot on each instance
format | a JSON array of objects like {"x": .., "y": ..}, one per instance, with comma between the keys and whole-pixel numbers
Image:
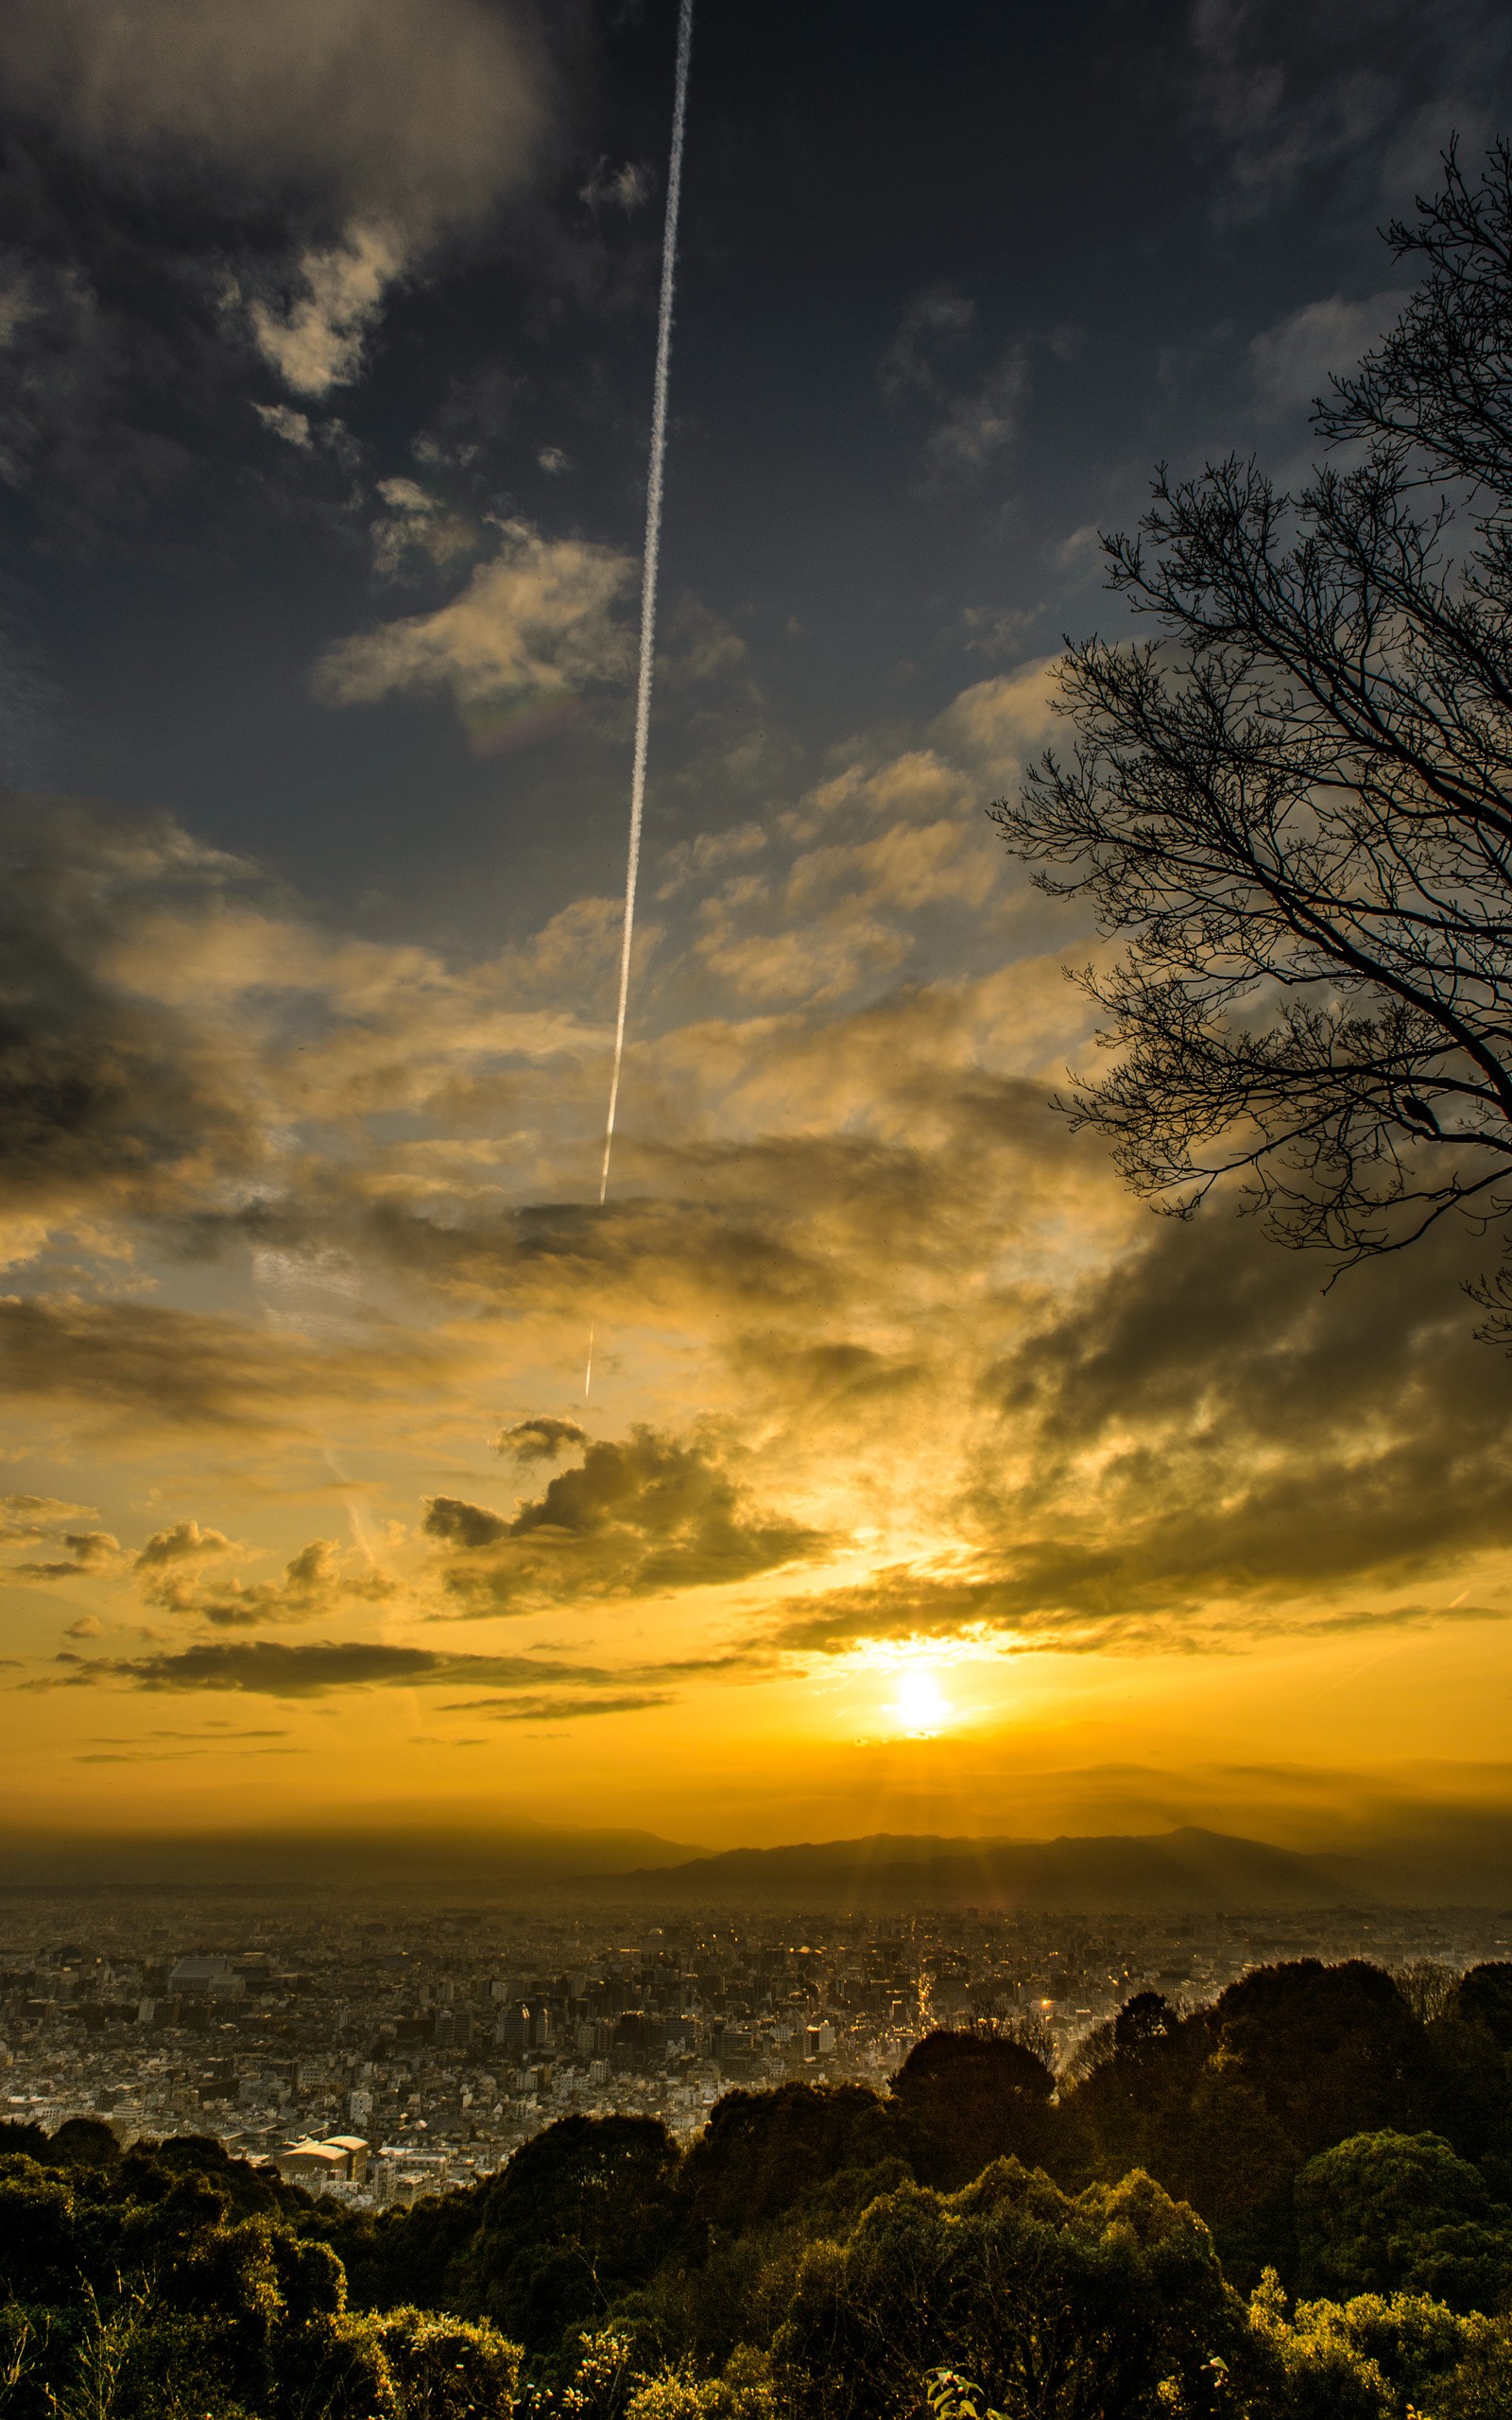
[
  {"x": 1188, "y": 1868},
  {"x": 1185, "y": 1870}
]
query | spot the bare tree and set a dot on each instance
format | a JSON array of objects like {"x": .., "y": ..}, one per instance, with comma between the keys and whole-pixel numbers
[{"x": 1295, "y": 801}]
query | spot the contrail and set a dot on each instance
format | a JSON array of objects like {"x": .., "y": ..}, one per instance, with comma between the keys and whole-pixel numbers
[{"x": 650, "y": 562}]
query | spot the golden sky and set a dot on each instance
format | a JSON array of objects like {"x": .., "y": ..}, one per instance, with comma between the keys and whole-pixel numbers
[{"x": 927, "y": 1480}]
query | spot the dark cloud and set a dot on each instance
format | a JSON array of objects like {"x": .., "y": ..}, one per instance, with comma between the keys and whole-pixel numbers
[
  {"x": 87, "y": 1551},
  {"x": 186, "y": 1542},
  {"x": 1349, "y": 100},
  {"x": 107, "y": 1100},
  {"x": 637, "y": 1516},
  {"x": 314, "y": 1583},
  {"x": 574, "y": 1709},
  {"x": 829, "y": 1379},
  {"x": 35, "y": 1516},
  {"x": 419, "y": 111},
  {"x": 468, "y": 1526},
  {"x": 1206, "y": 1445},
  {"x": 541, "y": 1441},
  {"x": 1251, "y": 1429},
  {"x": 197, "y": 201},
  {"x": 141, "y": 1367},
  {"x": 275, "y": 1667}
]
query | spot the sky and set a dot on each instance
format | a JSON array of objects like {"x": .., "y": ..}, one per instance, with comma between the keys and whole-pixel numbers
[{"x": 927, "y": 1479}]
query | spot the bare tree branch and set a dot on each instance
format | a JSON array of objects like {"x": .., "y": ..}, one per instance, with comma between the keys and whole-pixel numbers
[{"x": 1295, "y": 801}]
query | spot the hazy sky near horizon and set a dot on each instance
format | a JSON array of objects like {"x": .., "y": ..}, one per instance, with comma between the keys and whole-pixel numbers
[{"x": 928, "y": 1480}]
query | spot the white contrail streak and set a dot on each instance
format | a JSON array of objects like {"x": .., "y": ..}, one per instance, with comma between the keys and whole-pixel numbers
[{"x": 649, "y": 565}]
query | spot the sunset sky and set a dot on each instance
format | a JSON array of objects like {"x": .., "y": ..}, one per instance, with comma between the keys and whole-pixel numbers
[{"x": 928, "y": 1480}]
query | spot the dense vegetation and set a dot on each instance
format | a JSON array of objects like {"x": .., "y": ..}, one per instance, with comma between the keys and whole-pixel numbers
[{"x": 1296, "y": 2203}]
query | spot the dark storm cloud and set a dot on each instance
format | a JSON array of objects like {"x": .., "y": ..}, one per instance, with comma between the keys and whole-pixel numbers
[{"x": 639, "y": 1516}]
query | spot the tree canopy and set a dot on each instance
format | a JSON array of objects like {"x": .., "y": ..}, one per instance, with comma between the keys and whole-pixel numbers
[{"x": 1294, "y": 803}]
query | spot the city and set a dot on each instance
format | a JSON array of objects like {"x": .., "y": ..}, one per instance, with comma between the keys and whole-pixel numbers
[{"x": 379, "y": 2056}]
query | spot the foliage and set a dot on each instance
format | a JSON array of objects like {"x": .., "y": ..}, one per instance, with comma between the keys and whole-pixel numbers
[
  {"x": 1384, "y": 2212},
  {"x": 1400, "y": 2356},
  {"x": 1057, "y": 2305},
  {"x": 761, "y": 2153},
  {"x": 174, "y": 2283},
  {"x": 830, "y": 2253},
  {"x": 963, "y": 2099}
]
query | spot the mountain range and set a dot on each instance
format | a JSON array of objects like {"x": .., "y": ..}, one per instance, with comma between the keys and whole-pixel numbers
[{"x": 1186, "y": 1869}]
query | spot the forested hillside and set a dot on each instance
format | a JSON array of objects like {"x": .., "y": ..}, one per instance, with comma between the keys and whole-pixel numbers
[{"x": 1295, "y": 2202}]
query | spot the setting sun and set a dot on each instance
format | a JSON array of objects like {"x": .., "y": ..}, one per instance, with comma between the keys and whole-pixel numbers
[{"x": 918, "y": 1710}]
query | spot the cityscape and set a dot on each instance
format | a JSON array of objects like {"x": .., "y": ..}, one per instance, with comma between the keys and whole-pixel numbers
[{"x": 382, "y": 2054}]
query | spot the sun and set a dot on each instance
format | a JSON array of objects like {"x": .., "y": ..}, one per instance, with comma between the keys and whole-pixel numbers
[{"x": 918, "y": 1710}]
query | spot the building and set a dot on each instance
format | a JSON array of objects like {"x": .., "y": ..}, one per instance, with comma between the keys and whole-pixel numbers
[
  {"x": 207, "y": 1978},
  {"x": 342, "y": 2159}
]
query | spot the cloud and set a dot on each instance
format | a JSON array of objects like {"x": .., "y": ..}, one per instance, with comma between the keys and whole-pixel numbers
[
  {"x": 266, "y": 174},
  {"x": 89, "y": 1551},
  {"x": 624, "y": 188},
  {"x": 145, "y": 1366},
  {"x": 418, "y": 112},
  {"x": 87, "y": 1626},
  {"x": 278, "y": 1669},
  {"x": 314, "y": 1584},
  {"x": 315, "y": 340},
  {"x": 1196, "y": 1448},
  {"x": 32, "y": 1519},
  {"x": 186, "y": 1542},
  {"x": 1292, "y": 361},
  {"x": 1350, "y": 102},
  {"x": 974, "y": 424},
  {"x": 957, "y": 1381},
  {"x": 418, "y": 525},
  {"x": 639, "y": 1516},
  {"x": 105, "y": 1095},
  {"x": 281, "y": 420},
  {"x": 536, "y": 618},
  {"x": 573, "y": 1709},
  {"x": 36, "y": 1516},
  {"x": 935, "y": 321},
  {"x": 541, "y": 1441},
  {"x": 979, "y": 426},
  {"x": 467, "y": 1526}
]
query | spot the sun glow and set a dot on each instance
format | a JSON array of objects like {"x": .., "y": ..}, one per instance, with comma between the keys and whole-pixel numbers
[{"x": 918, "y": 1710}]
